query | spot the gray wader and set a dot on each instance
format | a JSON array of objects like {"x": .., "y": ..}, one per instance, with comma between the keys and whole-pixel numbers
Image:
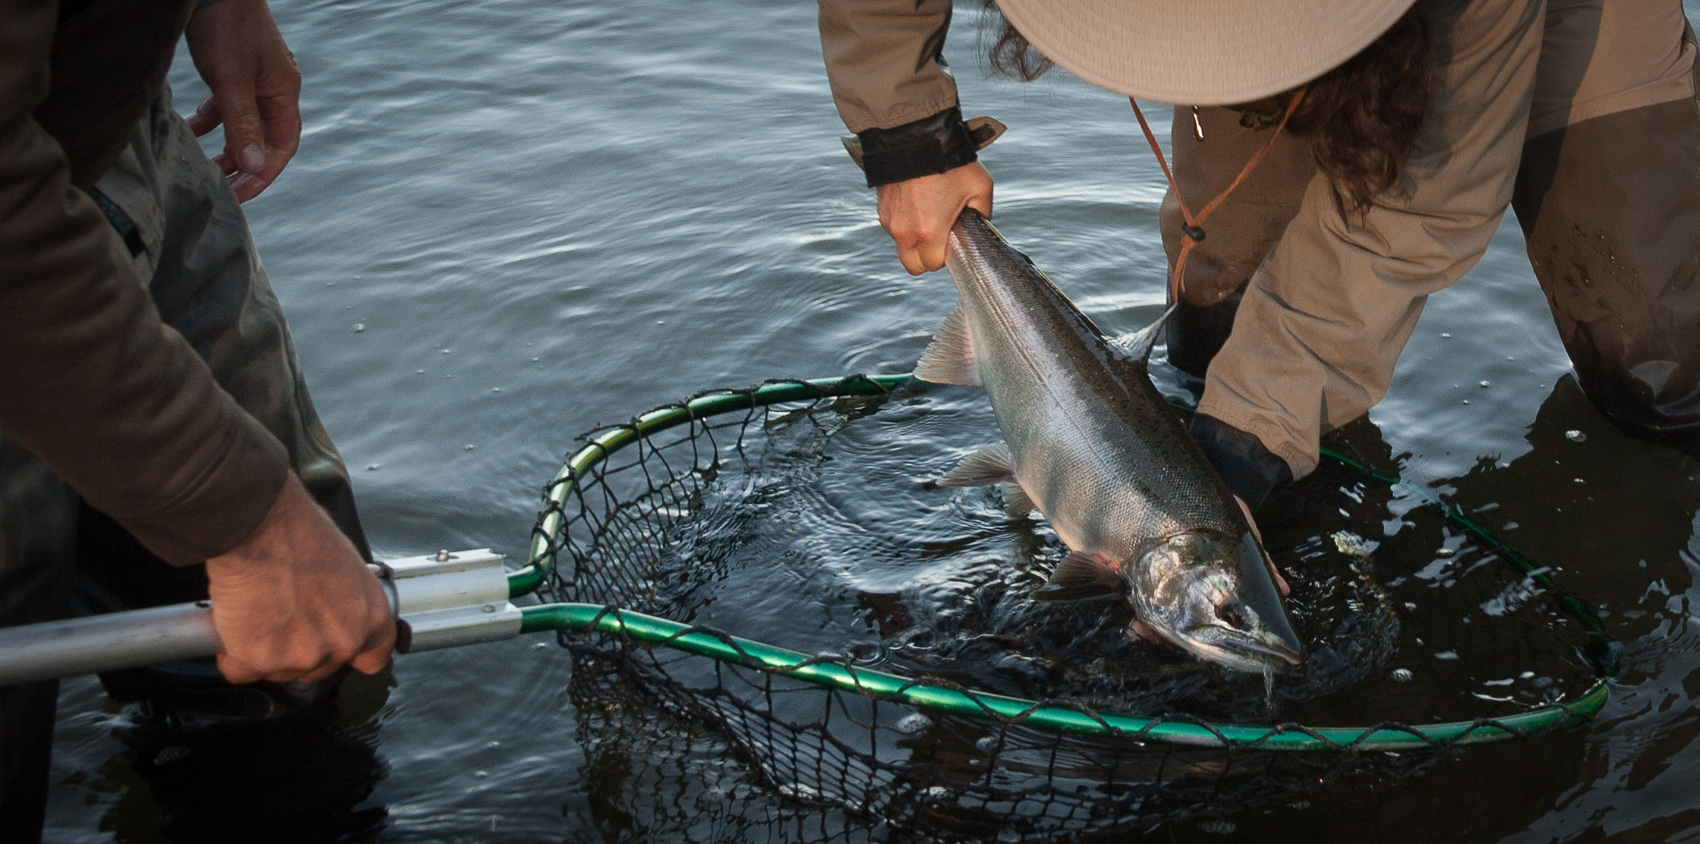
[
  {"x": 1609, "y": 204},
  {"x": 186, "y": 231}
]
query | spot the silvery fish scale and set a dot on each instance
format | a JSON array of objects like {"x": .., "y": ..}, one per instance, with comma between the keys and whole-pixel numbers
[
  {"x": 1103, "y": 456},
  {"x": 1096, "y": 448}
]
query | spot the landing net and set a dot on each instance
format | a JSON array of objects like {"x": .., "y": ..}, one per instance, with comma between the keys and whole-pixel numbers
[{"x": 918, "y": 688}]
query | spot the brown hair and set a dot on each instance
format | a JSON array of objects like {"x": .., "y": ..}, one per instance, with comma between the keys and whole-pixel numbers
[{"x": 1360, "y": 117}]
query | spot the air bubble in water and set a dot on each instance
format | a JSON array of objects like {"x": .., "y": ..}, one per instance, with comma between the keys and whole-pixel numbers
[
  {"x": 913, "y": 723},
  {"x": 1217, "y": 826}
]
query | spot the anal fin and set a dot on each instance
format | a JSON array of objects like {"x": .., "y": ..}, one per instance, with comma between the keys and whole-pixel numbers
[{"x": 949, "y": 359}]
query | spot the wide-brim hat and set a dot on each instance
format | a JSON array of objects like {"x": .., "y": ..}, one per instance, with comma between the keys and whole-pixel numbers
[{"x": 1201, "y": 52}]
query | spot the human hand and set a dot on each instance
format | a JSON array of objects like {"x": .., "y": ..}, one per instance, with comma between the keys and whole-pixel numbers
[
  {"x": 919, "y": 212},
  {"x": 1280, "y": 582},
  {"x": 256, "y": 91},
  {"x": 294, "y": 601}
]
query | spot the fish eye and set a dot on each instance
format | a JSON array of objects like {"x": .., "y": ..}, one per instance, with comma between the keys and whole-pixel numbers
[{"x": 1234, "y": 613}]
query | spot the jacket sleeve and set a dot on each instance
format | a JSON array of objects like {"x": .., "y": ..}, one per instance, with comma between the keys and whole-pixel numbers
[
  {"x": 1325, "y": 317},
  {"x": 91, "y": 381},
  {"x": 884, "y": 60}
]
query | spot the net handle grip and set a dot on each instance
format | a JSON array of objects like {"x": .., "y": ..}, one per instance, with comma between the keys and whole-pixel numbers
[
  {"x": 33, "y": 652},
  {"x": 440, "y": 600}
]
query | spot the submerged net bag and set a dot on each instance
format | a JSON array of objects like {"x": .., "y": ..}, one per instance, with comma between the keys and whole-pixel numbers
[{"x": 911, "y": 683}]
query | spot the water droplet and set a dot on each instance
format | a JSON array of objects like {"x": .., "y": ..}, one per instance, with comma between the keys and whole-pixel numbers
[
  {"x": 1444, "y": 553},
  {"x": 1446, "y": 655},
  {"x": 359, "y": 327},
  {"x": 1576, "y": 436},
  {"x": 987, "y": 744},
  {"x": 1526, "y": 675},
  {"x": 470, "y": 446},
  {"x": 1401, "y": 675},
  {"x": 534, "y": 360},
  {"x": 1466, "y": 401},
  {"x": 170, "y": 754},
  {"x": 421, "y": 372},
  {"x": 478, "y": 775},
  {"x": 371, "y": 467},
  {"x": 495, "y": 389},
  {"x": 1485, "y": 383},
  {"x": 540, "y": 646},
  {"x": 443, "y": 352},
  {"x": 1579, "y": 480},
  {"x": 1445, "y": 335}
]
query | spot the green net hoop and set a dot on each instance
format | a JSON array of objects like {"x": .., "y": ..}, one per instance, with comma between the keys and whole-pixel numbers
[{"x": 918, "y": 752}]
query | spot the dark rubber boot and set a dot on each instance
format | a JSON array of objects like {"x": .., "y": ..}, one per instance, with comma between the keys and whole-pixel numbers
[
  {"x": 37, "y": 513},
  {"x": 1611, "y": 211}
]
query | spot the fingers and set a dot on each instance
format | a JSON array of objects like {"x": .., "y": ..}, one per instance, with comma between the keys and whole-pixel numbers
[
  {"x": 256, "y": 91},
  {"x": 1280, "y": 582},
  {"x": 918, "y": 213},
  {"x": 294, "y": 602},
  {"x": 206, "y": 118}
]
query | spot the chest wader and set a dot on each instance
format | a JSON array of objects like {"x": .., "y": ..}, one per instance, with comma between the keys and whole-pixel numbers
[
  {"x": 1609, "y": 205},
  {"x": 183, "y": 227}
]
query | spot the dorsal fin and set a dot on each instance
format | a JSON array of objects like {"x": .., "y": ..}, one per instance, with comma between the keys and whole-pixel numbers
[
  {"x": 1138, "y": 344},
  {"x": 950, "y": 357}
]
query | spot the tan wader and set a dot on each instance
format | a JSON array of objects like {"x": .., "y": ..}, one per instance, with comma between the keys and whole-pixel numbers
[
  {"x": 1590, "y": 104},
  {"x": 185, "y": 229}
]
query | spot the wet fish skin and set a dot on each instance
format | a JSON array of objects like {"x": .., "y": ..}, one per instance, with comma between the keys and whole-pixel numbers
[{"x": 1094, "y": 447}]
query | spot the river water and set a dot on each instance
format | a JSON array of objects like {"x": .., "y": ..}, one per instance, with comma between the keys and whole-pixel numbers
[{"x": 512, "y": 221}]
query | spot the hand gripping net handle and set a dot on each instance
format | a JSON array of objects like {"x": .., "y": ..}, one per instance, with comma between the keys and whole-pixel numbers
[{"x": 948, "y": 698}]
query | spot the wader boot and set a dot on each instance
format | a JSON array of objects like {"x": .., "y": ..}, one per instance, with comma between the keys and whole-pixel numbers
[
  {"x": 1611, "y": 210},
  {"x": 38, "y": 515},
  {"x": 189, "y": 239}
]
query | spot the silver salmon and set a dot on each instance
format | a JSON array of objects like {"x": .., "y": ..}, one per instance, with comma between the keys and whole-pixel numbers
[{"x": 1090, "y": 443}]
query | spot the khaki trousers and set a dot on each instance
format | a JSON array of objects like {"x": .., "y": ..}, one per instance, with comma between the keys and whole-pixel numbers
[
  {"x": 185, "y": 229},
  {"x": 1607, "y": 192}
]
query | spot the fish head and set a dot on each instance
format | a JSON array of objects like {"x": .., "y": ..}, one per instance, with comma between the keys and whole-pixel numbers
[{"x": 1215, "y": 598}]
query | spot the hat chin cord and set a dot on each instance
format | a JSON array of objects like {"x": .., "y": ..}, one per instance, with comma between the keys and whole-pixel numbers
[{"x": 1193, "y": 227}]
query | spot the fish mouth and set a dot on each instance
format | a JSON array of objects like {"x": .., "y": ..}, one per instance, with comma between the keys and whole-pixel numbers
[{"x": 1242, "y": 651}]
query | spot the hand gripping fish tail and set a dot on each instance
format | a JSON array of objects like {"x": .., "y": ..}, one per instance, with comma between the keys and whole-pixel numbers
[{"x": 1090, "y": 443}]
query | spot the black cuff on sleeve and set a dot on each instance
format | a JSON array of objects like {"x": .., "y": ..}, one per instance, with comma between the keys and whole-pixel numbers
[
  {"x": 1249, "y": 469},
  {"x": 920, "y": 148}
]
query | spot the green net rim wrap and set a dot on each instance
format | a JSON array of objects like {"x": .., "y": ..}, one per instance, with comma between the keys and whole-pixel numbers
[{"x": 950, "y": 699}]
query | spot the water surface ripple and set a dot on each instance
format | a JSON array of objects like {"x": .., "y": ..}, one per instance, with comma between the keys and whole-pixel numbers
[{"x": 548, "y": 216}]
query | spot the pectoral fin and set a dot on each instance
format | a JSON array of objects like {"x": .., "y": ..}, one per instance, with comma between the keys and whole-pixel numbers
[
  {"x": 950, "y": 357},
  {"x": 1138, "y": 344},
  {"x": 1016, "y": 503},
  {"x": 989, "y": 465},
  {"x": 1081, "y": 577}
]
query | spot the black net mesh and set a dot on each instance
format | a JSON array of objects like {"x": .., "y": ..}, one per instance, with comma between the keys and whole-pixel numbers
[{"x": 809, "y": 525}]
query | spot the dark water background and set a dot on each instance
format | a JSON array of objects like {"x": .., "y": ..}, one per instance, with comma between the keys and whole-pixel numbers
[{"x": 512, "y": 221}]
